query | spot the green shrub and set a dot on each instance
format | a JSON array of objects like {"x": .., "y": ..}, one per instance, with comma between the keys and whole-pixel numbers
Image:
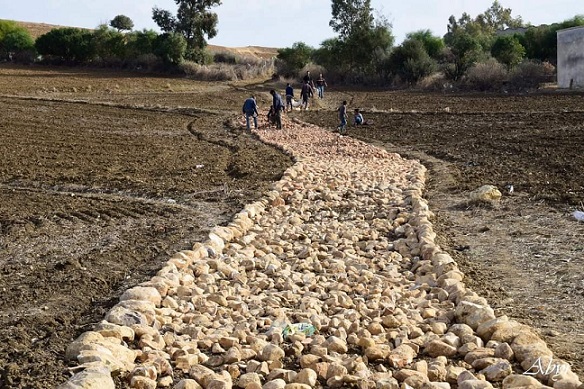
[
  {"x": 411, "y": 62},
  {"x": 15, "y": 42},
  {"x": 292, "y": 59},
  {"x": 508, "y": 50},
  {"x": 170, "y": 47},
  {"x": 67, "y": 44}
]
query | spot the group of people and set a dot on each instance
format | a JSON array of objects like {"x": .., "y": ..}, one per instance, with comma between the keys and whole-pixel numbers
[
  {"x": 250, "y": 109},
  {"x": 358, "y": 119},
  {"x": 307, "y": 90}
]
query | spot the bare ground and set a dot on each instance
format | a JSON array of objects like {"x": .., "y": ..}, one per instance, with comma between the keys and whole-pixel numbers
[
  {"x": 524, "y": 254},
  {"x": 104, "y": 175}
]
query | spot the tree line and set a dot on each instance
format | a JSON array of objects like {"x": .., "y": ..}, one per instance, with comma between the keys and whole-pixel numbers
[{"x": 485, "y": 48}]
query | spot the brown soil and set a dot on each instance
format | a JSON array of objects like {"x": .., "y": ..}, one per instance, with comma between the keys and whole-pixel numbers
[
  {"x": 104, "y": 175},
  {"x": 94, "y": 197}
]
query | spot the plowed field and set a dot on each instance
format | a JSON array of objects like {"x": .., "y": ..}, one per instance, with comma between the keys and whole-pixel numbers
[{"x": 104, "y": 175}]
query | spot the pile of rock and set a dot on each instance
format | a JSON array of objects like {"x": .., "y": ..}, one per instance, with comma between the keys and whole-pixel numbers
[{"x": 342, "y": 243}]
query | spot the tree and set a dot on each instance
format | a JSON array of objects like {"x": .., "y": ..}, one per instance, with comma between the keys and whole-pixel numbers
[
  {"x": 14, "y": 39},
  {"x": 348, "y": 16},
  {"x": 295, "y": 58},
  {"x": 411, "y": 61},
  {"x": 328, "y": 55},
  {"x": 69, "y": 44},
  {"x": 541, "y": 42},
  {"x": 141, "y": 42},
  {"x": 464, "y": 50},
  {"x": 497, "y": 18},
  {"x": 122, "y": 23},
  {"x": 171, "y": 47},
  {"x": 432, "y": 44},
  {"x": 470, "y": 40},
  {"x": 109, "y": 44},
  {"x": 193, "y": 21},
  {"x": 508, "y": 50},
  {"x": 363, "y": 41}
]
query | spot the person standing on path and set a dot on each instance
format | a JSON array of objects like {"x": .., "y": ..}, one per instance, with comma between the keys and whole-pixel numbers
[
  {"x": 305, "y": 93},
  {"x": 342, "y": 128},
  {"x": 308, "y": 79},
  {"x": 289, "y": 96},
  {"x": 278, "y": 106},
  {"x": 250, "y": 109},
  {"x": 320, "y": 84}
]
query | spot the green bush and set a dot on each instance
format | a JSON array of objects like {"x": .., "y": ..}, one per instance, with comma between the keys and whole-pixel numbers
[
  {"x": 171, "y": 48},
  {"x": 508, "y": 50},
  {"x": 410, "y": 61},
  {"x": 15, "y": 42},
  {"x": 110, "y": 46},
  {"x": 292, "y": 59},
  {"x": 67, "y": 44},
  {"x": 141, "y": 43}
]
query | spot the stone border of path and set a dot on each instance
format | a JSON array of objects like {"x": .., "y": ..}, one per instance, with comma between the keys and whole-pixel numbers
[{"x": 489, "y": 346}]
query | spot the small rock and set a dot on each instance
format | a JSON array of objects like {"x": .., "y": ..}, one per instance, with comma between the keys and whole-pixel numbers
[
  {"x": 475, "y": 384},
  {"x": 275, "y": 384},
  {"x": 248, "y": 378},
  {"x": 520, "y": 381},
  {"x": 306, "y": 377},
  {"x": 436, "y": 348},
  {"x": 498, "y": 371}
]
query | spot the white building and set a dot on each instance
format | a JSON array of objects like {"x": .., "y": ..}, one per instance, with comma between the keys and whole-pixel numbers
[{"x": 571, "y": 58}]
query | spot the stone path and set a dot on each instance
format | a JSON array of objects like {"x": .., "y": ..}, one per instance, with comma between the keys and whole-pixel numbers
[{"x": 343, "y": 244}]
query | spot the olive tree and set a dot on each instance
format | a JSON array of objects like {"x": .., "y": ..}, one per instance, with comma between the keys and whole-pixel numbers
[
  {"x": 122, "y": 23},
  {"x": 363, "y": 40},
  {"x": 193, "y": 20}
]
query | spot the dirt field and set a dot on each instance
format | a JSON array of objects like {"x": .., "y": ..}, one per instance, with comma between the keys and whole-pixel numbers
[
  {"x": 104, "y": 175},
  {"x": 526, "y": 254},
  {"x": 94, "y": 197}
]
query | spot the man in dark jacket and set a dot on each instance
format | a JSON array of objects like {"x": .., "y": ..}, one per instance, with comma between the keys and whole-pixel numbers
[
  {"x": 250, "y": 109},
  {"x": 305, "y": 93},
  {"x": 278, "y": 106},
  {"x": 289, "y": 96}
]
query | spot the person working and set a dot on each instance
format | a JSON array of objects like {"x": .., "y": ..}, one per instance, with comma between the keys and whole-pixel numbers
[{"x": 250, "y": 109}]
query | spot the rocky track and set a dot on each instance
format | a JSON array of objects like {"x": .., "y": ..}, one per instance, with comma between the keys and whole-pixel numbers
[{"x": 342, "y": 243}]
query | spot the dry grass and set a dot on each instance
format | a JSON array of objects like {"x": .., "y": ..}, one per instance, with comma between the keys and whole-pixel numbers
[{"x": 37, "y": 29}]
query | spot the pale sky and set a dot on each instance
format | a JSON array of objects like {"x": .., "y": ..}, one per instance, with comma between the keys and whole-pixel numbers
[{"x": 277, "y": 23}]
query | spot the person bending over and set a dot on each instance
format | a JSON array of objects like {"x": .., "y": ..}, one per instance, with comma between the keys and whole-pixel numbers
[{"x": 358, "y": 119}]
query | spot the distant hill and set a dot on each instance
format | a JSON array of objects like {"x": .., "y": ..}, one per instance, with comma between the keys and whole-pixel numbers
[{"x": 38, "y": 29}]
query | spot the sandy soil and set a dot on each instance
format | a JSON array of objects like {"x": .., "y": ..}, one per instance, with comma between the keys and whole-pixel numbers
[{"x": 104, "y": 175}]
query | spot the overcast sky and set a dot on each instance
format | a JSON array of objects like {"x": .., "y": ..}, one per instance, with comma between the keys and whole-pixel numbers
[{"x": 277, "y": 23}]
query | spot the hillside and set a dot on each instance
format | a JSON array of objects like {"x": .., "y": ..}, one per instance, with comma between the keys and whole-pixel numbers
[{"x": 38, "y": 29}]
